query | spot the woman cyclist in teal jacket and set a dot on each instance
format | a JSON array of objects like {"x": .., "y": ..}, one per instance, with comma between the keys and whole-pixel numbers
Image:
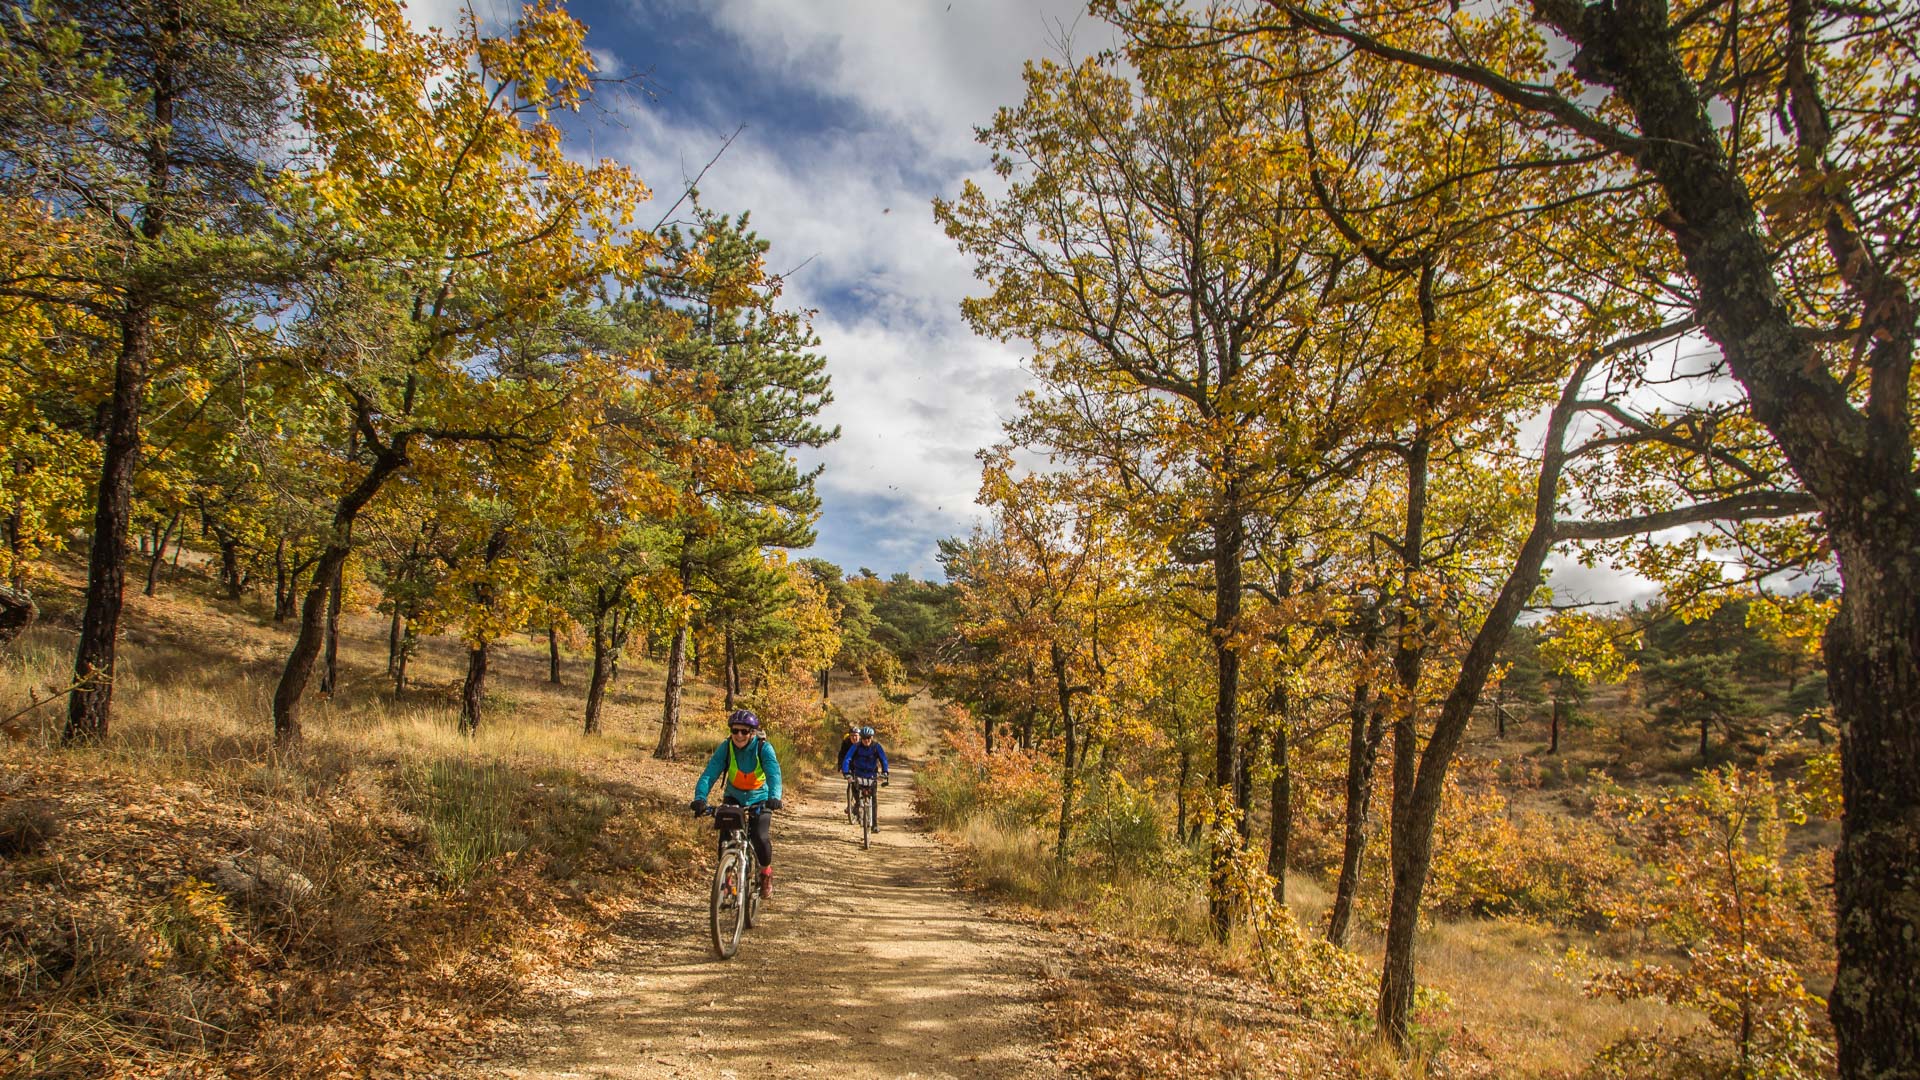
[{"x": 752, "y": 772}]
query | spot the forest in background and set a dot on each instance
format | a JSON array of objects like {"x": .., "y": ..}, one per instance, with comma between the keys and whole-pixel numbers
[
  {"x": 328, "y": 360},
  {"x": 1343, "y": 318},
  {"x": 1346, "y": 318}
]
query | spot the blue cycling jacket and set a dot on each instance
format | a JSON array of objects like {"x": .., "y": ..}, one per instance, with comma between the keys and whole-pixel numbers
[{"x": 863, "y": 760}]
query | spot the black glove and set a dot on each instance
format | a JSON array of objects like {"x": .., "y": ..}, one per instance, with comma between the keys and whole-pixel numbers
[
  {"x": 773, "y": 804},
  {"x": 698, "y": 806},
  {"x": 885, "y": 780},
  {"x": 846, "y": 776}
]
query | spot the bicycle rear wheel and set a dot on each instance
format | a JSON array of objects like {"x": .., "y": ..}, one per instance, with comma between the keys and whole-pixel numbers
[{"x": 729, "y": 905}]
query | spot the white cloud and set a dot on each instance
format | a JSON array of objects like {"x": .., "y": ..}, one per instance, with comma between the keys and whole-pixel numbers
[
  {"x": 933, "y": 67},
  {"x": 916, "y": 393},
  {"x": 445, "y": 14}
]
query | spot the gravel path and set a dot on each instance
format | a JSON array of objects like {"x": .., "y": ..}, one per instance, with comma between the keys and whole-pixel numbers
[{"x": 866, "y": 964}]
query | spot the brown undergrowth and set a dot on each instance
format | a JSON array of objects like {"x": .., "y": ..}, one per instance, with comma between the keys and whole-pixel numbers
[
  {"x": 183, "y": 901},
  {"x": 1121, "y": 1006}
]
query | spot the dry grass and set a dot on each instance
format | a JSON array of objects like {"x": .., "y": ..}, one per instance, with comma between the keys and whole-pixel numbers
[
  {"x": 434, "y": 879},
  {"x": 1512, "y": 1001},
  {"x": 1123, "y": 1006},
  {"x": 1514, "y": 990}
]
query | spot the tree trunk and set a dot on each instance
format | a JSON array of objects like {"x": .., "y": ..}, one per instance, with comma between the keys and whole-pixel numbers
[
  {"x": 400, "y": 665},
  {"x": 330, "y": 666},
  {"x": 473, "y": 691},
  {"x": 602, "y": 671},
  {"x": 667, "y": 748},
  {"x": 1871, "y": 648},
  {"x": 1409, "y": 650},
  {"x": 1229, "y": 540},
  {"x": 1246, "y": 753},
  {"x": 230, "y": 567},
  {"x": 729, "y": 673},
  {"x": 282, "y": 583},
  {"x": 306, "y": 646},
  {"x": 160, "y": 553},
  {"x": 1280, "y": 830},
  {"x": 1412, "y": 837},
  {"x": 91, "y": 703},
  {"x": 826, "y": 692},
  {"x": 395, "y": 626},
  {"x": 1065, "y": 694},
  {"x": 306, "y": 649},
  {"x": 1026, "y": 721},
  {"x": 1703, "y": 739},
  {"x": 1553, "y": 728},
  {"x": 1857, "y": 464},
  {"x": 1366, "y": 727},
  {"x": 1180, "y": 795}
]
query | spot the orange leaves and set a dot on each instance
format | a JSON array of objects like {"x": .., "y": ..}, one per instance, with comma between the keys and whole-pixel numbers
[
  {"x": 1748, "y": 912},
  {"x": 1011, "y": 785}
]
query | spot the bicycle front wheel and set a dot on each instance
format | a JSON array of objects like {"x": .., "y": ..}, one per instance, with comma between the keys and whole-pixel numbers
[
  {"x": 753, "y": 891},
  {"x": 865, "y": 810},
  {"x": 729, "y": 905}
]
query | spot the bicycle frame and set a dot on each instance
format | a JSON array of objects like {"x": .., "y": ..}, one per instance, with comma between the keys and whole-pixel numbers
[
  {"x": 866, "y": 791},
  {"x": 735, "y": 902}
]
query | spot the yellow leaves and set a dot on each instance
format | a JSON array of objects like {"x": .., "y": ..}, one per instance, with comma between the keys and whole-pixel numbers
[
  {"x": 438, "y": 146},
  {"x": 1795, "y": 623},
  {"x": 1590, "y": 649}
]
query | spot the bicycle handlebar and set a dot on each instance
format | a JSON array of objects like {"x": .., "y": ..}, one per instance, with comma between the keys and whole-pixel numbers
[{"x": 757, "y": 808}]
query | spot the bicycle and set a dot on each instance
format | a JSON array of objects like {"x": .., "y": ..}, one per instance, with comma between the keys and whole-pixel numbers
[
  {"x": 866, "y": 806},
  {"x": 735, "y": 903}
]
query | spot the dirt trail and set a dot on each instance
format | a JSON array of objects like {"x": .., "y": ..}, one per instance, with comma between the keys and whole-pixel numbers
[{"x": 867, "y": 964}]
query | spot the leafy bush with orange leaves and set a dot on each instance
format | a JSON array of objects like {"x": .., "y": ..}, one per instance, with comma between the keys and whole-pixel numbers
[
  {"x": 1011, "y": 785},
  {"x": 1750, "y": 917},
  {"x": 795, "y": 715},
  {"x": 1491, "y": 859}
]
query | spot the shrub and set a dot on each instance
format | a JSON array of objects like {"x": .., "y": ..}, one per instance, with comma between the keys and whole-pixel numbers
[
  {"x": 1322, "y": 977},
  {"x": 468, "y": 811},
  {"x": 1122, "y": 827},
  {"x": 1012, "y": 786},
  {"x": 192, "y": 924},
  {"x": 1491, "y": 860},
  {"x": 796, "y": 720},
  {"x": 1749, "y": 918}
]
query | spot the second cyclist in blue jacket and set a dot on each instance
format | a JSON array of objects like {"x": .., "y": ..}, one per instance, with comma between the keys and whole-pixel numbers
[{"x": 866, "y": 759}]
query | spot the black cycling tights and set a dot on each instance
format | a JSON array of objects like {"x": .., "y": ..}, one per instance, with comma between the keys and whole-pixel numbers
[{"x": 760, "y": 831}]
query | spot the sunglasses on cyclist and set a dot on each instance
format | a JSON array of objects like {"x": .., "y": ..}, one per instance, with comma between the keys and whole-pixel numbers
[{"x": 741, "y": 730}]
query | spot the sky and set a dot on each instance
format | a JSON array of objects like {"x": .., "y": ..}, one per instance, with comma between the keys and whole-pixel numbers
[
  {"x": 852, "y": 116},
  {"x": 846, "y": 119}
]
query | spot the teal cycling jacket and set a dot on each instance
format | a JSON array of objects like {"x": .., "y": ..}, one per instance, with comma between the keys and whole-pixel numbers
[{"x": 757, "y": 758}]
